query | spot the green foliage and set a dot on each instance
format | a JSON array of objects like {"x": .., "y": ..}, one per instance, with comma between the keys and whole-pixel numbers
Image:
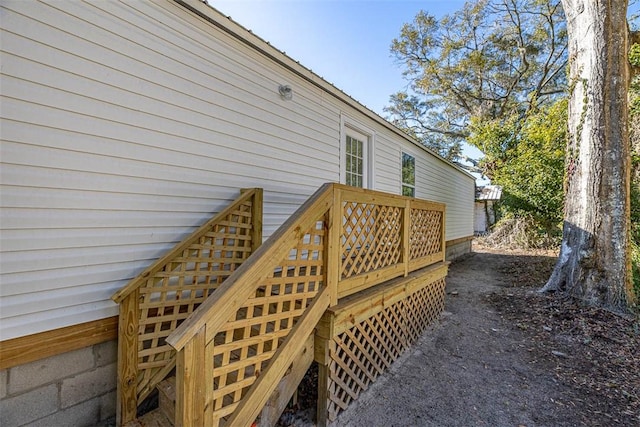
[
  {"x": 485, "y": 62},
  {"x": 634, "y": 55},
  {"x": 526, "y": 157}
]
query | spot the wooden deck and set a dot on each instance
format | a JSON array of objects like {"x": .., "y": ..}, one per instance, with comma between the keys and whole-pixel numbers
[{"x": 351, "y": 279}]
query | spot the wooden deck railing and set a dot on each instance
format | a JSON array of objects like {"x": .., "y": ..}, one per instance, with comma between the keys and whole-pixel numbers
[
  {"x": 158, "y": 300},
  {"x": 382, "y": 236},
  {"x": 234, "y": 349}
]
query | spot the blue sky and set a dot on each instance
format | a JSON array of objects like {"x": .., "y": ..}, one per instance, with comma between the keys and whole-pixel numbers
[{"x": 344, "y": 41}]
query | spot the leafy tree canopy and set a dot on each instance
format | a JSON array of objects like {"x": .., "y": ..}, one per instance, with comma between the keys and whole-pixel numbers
[
  {"x": 490, "y": 60},
  {"x": 525, "y": 155}
]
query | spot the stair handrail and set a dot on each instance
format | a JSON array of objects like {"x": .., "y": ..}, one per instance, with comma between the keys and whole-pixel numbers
[{"x": 238, "y": 286}]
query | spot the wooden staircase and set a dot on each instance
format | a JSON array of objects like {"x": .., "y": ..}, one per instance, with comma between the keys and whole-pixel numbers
[
  {"x": 165, "y": 414},
  {"x": 159, "y": 299},
  {"x": 349, "y": 281}
]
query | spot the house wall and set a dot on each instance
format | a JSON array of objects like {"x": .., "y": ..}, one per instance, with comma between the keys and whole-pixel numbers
[
  {"x": 127, "y": 124},
  {"x": 435, "y": 180}
]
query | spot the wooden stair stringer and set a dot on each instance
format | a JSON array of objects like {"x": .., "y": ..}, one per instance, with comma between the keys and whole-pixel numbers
[
  {"x": 164, "y": 415},
  {"x": 287, "y": 386}
]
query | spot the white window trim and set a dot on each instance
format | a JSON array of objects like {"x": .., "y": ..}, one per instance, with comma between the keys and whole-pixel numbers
[
  {"x": 347, "y": 123},
  {"x": 415, "y": 169}
]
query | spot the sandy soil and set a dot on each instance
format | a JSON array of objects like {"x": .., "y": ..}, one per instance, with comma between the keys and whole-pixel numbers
[
  {"x": 471, "y": 369},
  {"x": 501, "y": 356}
]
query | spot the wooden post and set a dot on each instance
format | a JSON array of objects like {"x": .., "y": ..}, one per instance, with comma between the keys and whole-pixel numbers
[
  {"x": 443, "y": 234},
  {"x": 127, "y": 401},
  {"x": 256, "y": 218},
  {"x": 324, "y": 347},
  {"x": 191, "y": 382},
  {"x": 406, "y": 235},
  {"x": 322, "y": 416},
  {"x": 333, "y": 258}
]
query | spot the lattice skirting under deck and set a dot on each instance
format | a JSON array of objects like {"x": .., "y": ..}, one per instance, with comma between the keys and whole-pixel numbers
[{"x": 361, "y": 353}]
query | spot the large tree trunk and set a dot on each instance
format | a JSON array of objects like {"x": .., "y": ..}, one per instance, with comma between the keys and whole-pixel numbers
[{"x": 595, "y": 263}]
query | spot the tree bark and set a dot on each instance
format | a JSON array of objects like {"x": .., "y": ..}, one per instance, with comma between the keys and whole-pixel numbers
[{"x": 595, "y": 263}]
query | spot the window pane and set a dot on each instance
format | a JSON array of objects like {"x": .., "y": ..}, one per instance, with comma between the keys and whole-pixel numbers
[
  {"x": 408, "y": 169},
  {"x": 354, "y": 161},
  {"x": 408, "y": 175},
  {"x": 358, "y": 166},
  {"x": 408, "y": 191}
]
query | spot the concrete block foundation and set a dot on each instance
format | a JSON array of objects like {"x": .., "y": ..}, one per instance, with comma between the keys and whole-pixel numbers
[{"x": 70, "y": 389}]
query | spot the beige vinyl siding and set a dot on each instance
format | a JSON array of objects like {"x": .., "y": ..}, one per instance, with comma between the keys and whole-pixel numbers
[
  {"x": 386, "y": 158},
  {"x": 435, "y": 180},
  {"x": 120, "y": 135},
  {"x": 125, "y": 125}
]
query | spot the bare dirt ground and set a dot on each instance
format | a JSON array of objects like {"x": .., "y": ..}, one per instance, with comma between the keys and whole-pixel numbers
[{"x": 504, "y": 355}]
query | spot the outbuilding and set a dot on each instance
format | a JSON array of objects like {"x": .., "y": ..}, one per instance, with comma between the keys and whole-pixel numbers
[{"x": 487, "y": 196}]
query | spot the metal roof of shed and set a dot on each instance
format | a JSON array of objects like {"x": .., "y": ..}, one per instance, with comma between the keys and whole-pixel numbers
[{"x": 488, "y": 192}]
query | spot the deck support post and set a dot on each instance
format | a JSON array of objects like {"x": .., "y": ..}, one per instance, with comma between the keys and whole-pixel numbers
[
  {"x": 191, "y": 382},
  {"x": 322, "y": 413},
  {"x": 324, "y": 346},
  {"x": 127, "y": 400}
]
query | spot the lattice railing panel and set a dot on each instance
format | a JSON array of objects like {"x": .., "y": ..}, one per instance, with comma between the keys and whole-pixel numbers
[
  {"x": 243, "y": 347},
  {"x": 425, "y": 233},
  {"x": 171, "y": 294},
  {"x": 371, "y": 237},
  {"x": 367, "y": 349}
]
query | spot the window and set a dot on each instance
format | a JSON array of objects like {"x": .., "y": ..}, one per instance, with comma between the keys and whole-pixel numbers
[
  {"x": 408, "y": 175},
  {"x": 356, "y": 154},
  {"x": 355, "y": 162}
]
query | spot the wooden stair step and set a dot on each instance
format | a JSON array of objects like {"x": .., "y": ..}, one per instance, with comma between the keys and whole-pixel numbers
[
  {"x": 164, "y": 415},
  {"x": 155, "y": 418},
  {"x": 167, "y": 398}
]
